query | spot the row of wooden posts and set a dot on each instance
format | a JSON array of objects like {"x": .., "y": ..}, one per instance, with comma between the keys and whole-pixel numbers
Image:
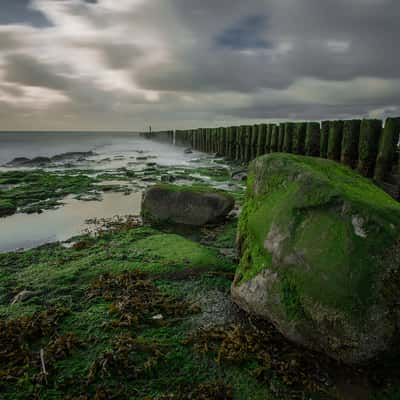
[{"x": 367, "y": 145}]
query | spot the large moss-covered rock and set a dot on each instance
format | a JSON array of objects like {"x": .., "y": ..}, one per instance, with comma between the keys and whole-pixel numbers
[
  {"x": 319, "y": 248},
  {"x": 185, "y": 205}
]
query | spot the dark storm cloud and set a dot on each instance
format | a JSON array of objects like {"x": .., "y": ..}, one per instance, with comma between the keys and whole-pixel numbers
[
  {"x": 246, "y": 34},
  {"x": 26, "y": 70},
  {"x": 187, "y": 63},
  {"x": 20, "y": 12}
]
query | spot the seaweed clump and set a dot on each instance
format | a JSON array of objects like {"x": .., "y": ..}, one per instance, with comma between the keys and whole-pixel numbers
[
  {"x": 136, "y": 300},
  {"x": 291, "y": 371},
  {"x": 130, "y": 358},
  {"x": 30, "y": 345}
]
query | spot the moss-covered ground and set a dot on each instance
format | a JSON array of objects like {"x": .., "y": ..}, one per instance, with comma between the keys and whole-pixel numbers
[{"x": 142, "y": 312}]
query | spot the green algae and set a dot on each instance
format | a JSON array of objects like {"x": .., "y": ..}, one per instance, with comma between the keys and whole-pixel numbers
[
  {"x": 37, "y": 190},
  {"x": 274, "y": 198}
]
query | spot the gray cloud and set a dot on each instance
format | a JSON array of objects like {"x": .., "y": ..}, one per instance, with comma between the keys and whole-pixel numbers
[{"x": 185, "y": 63}]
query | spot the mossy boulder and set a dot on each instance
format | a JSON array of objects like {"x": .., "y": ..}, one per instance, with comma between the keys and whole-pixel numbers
[
  {"x": 187, "y": 205},
  {"x": 319, "y": 256}
]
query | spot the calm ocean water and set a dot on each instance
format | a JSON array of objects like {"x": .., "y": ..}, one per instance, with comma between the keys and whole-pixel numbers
[{"x": 33, "y": 144}]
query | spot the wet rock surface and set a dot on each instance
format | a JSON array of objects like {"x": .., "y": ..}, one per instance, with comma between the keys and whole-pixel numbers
[
  {"x": 319, "y": 247},
  {"x": 186, "y": 205}
]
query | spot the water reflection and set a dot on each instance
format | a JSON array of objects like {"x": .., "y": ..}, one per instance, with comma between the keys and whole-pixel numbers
[{"x": 28, "y": 231}]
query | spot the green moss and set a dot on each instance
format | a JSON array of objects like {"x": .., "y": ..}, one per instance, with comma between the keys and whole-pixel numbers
[
  {"x": 7, "y": 207},
  {"x": 174, "y": 250},
  {"x": 41, "y": 188},
  {"x": 307, "y": 208},
  {"x": 291, "y": 299}
]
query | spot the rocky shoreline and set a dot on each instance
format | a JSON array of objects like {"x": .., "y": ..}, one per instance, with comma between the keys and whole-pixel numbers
[{"x": 145, "y": 309}]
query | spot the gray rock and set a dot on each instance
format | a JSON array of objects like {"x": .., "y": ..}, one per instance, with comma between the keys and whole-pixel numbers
[
  {"x": 167, "y": 178},
  {"x": 185, "y": 205},
  {"x": 239, "y": 175},
  {"x": 320, "y": 257}
]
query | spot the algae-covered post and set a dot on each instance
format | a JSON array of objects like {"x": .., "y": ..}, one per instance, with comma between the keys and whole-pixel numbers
[
  {"x": 247, "y": 136},
  {"x": 226, "y": 141},
  {"x": 229, "y": 143},
  {"x": 241, "y": 142},
  {"x": 387, "y": 149},
  {"x": 254, "y": 140},
  {"x": 236, "y": 146},
  {"x": 370, "y": 135},
  {"x": 335, "y": 140},
  {"x": 268, "y": 138},
  {"x": 299, "y": 137},
  {"x": 350, "y": 141},
  {"x": 281, "y": 136},
  {"x": 274, "y": 138},
  {"x": 313, "y": 139},
  {"x": 212, "y": 140},
  {"x": 262, "y": 133},
  {"x": 222, "y": 132},
  {"x": 324, "y": 139},
  {"x": 287, "y": 141}
]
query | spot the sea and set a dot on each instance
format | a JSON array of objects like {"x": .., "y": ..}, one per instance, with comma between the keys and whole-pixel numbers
[{"x": 113, "y": 150}]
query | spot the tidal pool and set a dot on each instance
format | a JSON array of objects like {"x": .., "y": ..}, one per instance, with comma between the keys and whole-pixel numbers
[{"x": 25, "y": 231}]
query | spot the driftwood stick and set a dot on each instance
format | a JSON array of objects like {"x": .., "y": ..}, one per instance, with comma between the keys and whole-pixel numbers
[{"x": 42, "y": 362}]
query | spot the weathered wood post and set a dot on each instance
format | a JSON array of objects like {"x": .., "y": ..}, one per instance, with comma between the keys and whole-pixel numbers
[
  {"x": 247, "y": 143},
  {"x": 324, "y": 139},
  {"x": 350, "y": 141},
  {"x": 370, "y": 135},
  {"x": 299, "y": 137},
  {"x": 281, "y": 136},
  {"x": 253, "y": 142},
  {"x": 214, "y": 138},
  {"x": 228, "y": 143},
  {"x": 241, "y": 134},
  {"x": 236, "y": 135},
  {"x": 335, "y": 140},
  {"x": 268, "y": 138},
  {"x": 274, "y": 138},
  {"x": 313, "y": 139},
  {"x": 222, "y": 141},
  {"x": 219, "y": 141},
  {"x": 262, "y": 133},
  {"x": 387, "y": 150},
  {"x": 287, "y": 140}
]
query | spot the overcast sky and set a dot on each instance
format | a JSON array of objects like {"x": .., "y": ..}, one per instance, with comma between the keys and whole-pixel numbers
[{"x": 125, "y": 64}]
